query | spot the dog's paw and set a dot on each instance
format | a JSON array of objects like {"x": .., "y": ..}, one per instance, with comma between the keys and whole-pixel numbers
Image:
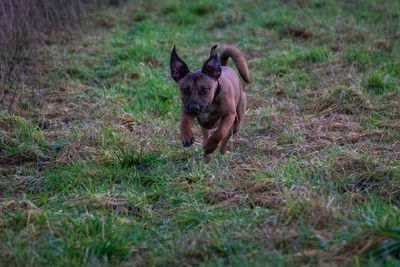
[
  {"x": 188, "y": 142},
  {"x": 207, "y": 158}
]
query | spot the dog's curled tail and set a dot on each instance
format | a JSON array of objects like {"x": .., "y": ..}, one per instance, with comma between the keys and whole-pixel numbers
[{"x": 238, "y": 59}]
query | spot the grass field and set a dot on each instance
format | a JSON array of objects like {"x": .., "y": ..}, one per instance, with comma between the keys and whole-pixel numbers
[{"x": 93, "y": 171}]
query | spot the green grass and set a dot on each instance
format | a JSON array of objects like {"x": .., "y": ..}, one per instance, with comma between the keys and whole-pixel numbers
[
  {"x": 357, "y": 55},
  {"x": 318, "y": 54},
  {"x": 379, "y": 83},
  {"x": 23, "y": 139},
  {"x": 93, "y": 171}
]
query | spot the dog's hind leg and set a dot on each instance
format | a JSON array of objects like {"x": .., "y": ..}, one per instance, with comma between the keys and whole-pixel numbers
[
  {"x": 240, "y": 110},
  {"x": 215, "y": 139},
  {"x": 234, "y": 129},
  {"x": 206, "y": 134},
  {"x": 224, "y": 142}
]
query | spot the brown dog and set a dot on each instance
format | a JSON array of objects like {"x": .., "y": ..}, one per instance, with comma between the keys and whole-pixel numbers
[{"x": 212, "y": 94}]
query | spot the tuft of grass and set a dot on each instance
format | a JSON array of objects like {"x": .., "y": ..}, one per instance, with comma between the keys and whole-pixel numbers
[
  {"x": 318, "y": 54},
  {"x": 393, "y": 68},
  {"x": 379, "y": 83},
  {"x": 134, "y": 158},
  {"x": 291, "y": 174},
  {"x": 23, "y": 139},
  {"x": 356, "y": 55}
]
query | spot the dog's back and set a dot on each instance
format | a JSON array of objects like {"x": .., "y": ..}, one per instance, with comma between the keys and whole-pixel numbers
[{"x": 239, "y": 60}]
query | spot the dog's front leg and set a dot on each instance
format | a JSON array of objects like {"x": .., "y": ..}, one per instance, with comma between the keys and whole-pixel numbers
[
  {"x": 222, "y": 130},
  {"x": 186, "y": 128}
]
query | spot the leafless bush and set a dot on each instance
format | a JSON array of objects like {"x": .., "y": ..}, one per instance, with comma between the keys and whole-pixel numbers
[{"x": 27, "y": 23}]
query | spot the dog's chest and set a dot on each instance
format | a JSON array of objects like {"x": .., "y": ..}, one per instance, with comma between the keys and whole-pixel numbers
[{"x": 208, "y": 120}]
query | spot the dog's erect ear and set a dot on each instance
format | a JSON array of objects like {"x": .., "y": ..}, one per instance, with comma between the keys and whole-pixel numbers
[
  {"x": 212, "y": 67},
  {"x": 178, "y": 67}
]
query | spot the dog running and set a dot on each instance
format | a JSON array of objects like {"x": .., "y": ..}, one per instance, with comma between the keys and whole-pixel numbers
[{"x": 213, "y": 94}]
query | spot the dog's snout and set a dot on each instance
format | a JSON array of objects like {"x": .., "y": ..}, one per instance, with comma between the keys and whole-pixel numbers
[{"x": 194, "y": 108}]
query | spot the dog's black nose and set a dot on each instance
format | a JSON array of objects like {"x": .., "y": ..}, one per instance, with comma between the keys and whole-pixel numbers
[{"x": 195, "y": 108}]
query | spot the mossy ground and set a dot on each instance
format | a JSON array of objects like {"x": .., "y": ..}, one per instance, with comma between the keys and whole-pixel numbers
[{"x": 93, "y": 171}]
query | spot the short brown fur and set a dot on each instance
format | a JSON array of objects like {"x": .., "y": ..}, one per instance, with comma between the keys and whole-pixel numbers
[{"x": 214, "y": 95}]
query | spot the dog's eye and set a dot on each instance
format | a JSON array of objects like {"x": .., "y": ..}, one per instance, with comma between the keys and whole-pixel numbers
[
  {"x": 204, "y": 90},
  {"x": 185, "y": 91}
]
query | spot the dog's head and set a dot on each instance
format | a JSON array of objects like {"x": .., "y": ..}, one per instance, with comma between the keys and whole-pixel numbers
[{"x": 196, "y": 88}]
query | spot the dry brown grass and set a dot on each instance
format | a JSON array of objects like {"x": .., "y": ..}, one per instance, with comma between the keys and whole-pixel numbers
[
  {"x": 323, "y": 131},
  {"x": 348, "y": 100},
  {"x": 265, "y": 193},
  {"x": 341, "y": 255},
  {"x": 111, "y": 202}
]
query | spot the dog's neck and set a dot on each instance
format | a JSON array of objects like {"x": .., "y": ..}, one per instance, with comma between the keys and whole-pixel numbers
[{"x": 217, "y": 91}]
